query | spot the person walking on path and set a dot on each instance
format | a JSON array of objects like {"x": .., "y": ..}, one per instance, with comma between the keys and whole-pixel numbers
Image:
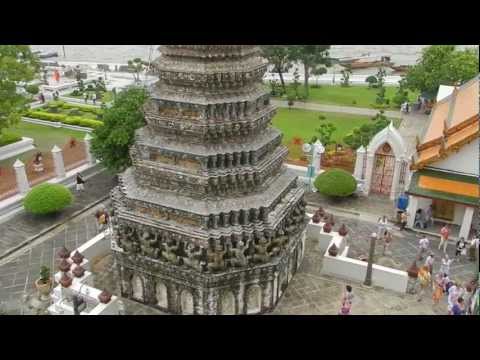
[
  {"x": 452, "y": 296},
  {"x": 437, "y": 288},
  {"x": 387, "y": 242},
  {"x": 42, "y": 98},
  {"x": 80, "y": 182},
  {"x": 382, "y": 225},
  {"x": 429, "y": 263},
  {"x": 461, "y": 249},
  {"x": 94, "y": 98},
  {"x": 423, "y": 245},
  {"x": 425, "y": 281},
  {"x": 445, "y": 266},
  {"x": 403, "y": 220},
  {"x": 444, "y": 233},
  {"x": 347, "y": 300},
  {"x": 85, "y": 97}
]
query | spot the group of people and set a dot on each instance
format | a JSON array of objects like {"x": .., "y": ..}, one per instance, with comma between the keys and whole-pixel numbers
[
  {"x": 87, "y": 96},
  {"x": 424, "y": 218}
]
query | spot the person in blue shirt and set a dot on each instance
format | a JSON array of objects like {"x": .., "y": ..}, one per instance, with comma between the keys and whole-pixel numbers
[{"x": 459, "y": 307}]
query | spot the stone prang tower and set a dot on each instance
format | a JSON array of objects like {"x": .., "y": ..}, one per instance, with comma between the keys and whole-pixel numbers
[{"x": 208, "y": 220}]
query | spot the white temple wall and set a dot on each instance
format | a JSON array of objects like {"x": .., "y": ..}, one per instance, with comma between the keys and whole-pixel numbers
[{"x": 464, "y": 161}]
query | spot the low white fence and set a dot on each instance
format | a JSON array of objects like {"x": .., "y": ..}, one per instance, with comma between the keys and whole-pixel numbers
[
  {"x": 56, "y": 124},
  {"x": 17, "y": 148}
]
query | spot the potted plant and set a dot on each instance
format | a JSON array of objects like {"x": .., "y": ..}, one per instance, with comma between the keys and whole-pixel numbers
[
  {"x": 316, "y": 218},
  {"x": 44, "y": 283}
]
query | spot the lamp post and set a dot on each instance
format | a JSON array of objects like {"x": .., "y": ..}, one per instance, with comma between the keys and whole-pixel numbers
[{"x": 368, "y": 276}]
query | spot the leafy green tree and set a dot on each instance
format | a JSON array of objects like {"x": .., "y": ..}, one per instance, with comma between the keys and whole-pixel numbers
[
  {"x": 381, "y": 86},
  {"x": 296, "y": 83},
  {"x": 315, "y": 60},
  {"x": 362, "y": 135},
  {"x": 112, "y": 141},
  {"x": 442, "y": 65},
  {"x": 136, "y": 65},
  {"x": 401, "y": 95},
  {"x": 372, "y": 81},
  {"x": 346, "y": 77},
  {"x": 325, "y": 131},
  {"x": 18, "y": 66},
  {"x": 279, "y": 57}
]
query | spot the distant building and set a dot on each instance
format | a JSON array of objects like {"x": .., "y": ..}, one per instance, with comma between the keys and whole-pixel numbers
[{"x": 446, "y": 164}]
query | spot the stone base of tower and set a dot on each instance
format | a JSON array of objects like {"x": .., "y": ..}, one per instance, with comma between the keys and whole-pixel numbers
[{"x": 169, "y": 288}]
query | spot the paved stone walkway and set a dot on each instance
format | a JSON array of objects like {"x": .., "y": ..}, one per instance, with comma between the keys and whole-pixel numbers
[
  {"x": 337, "y": 109},
  {"x": 23, "y": 226}
]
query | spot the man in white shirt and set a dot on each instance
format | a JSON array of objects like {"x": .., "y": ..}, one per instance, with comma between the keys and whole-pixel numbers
[
  {"x": 445, "y": 267},
  {"x": 429, "y": 263},
  {"x": 423, "y": 245}
]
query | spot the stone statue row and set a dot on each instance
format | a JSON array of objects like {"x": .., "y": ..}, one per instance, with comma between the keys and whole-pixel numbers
[{"x": 226, "y": 252}]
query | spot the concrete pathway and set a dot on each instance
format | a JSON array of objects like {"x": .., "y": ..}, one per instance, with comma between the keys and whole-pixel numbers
[
  {"x": 337, "y": 109},
  {"x": 23, "y": 226}
]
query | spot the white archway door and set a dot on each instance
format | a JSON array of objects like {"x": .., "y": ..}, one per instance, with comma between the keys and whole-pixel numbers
[
  {"x": 227, "y": 303},
  {"x": 254, "y": 299},
  {"x": 137, "y": 287},
  {"x": 186, "y": 303},
  {"x": 161, "y": 293}
]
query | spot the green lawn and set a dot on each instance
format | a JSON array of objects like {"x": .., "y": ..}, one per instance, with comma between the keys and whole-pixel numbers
[
  {"x": 361, "y": 95},
  {"x": 45, "y": 137},
  {"x": 302, "y": 123}
]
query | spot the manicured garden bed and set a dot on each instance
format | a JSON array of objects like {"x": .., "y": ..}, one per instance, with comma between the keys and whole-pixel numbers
[
  {"x": 356, "y": 96},
  {"x": 9, "y": 138},
  {"x": 105, "y": 96},
  {"x": 66, "y": 113}
]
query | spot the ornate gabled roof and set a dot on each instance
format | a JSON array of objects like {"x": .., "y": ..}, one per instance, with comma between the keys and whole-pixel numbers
[{"x": 453, "y": 123}]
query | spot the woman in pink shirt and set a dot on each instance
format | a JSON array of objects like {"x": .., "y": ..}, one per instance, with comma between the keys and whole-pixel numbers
[{"x": 444, "y": 232}]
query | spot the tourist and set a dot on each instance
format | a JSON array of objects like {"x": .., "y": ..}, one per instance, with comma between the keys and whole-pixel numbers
[
  {"x": 445, "y": 266},
  {"x": 438, "y": 288},
  {"x": 94, "y": 98},
  {"x": 429, "y": 263},
  {"x": 85, "y": 97},
  {"x": 444, "y": 233},
  {"x": 42, "y": 98},
  {"x": 80, "y": 182},
  {"x": 473, "y": 248},
  {"x": 382, "y": 225},
  {"x": 423, "y": 245},
  {"x": 346, "y": 308},
  {"x": 429, "y": 216},
  {"x": 419, "y": 219},
  {"x": 37, "y": 162},
  {"x": 459, "y": 307},
  {"x": 347, "y": 300},
  {"x": 403, "y": 220},
  {"x": 446, "y": 283},
  {"x": 387, "y": 242},
  {"x": 407, "y": 107},
  {"x": 424, "y": 279},
  {"x": 452, "y": 295},
  {"x": 461, "y": 249}
]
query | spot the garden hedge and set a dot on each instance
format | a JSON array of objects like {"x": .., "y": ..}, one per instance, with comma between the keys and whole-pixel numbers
[
  {"x": 65, "y": 119},
  {"x": 7, "y": 138},
  {"x": 336, "y": 183},
  {"x": 47, "y": 199}
]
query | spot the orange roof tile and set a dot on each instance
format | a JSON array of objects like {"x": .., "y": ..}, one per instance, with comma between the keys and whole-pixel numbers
[{"x": 466, "y": 103}]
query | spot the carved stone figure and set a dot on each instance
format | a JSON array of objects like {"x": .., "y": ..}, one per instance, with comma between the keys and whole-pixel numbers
[
  {"x": 149, "y": 244},
  {"x": 215, "y": 258},
  {"x": 194, "y": 257},
  {"x": 170, "y": 253}
]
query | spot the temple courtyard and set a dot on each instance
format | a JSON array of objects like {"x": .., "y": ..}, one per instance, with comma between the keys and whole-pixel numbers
[{"x": 309, "y": 292}]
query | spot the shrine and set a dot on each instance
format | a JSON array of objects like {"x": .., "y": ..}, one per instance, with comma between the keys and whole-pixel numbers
[{"x": 208, "y": 220}]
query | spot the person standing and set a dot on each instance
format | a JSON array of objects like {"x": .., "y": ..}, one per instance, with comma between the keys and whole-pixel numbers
[
  {"x": 42, "y": 98},
  {"x": 80, "y": 182},
  {"x": 94, "y": 98},
  {"x": 347, "y": 300},
  {"x": 382, "y": 225},
  {"x": 452, "y": 296},
  {"x": 424, "y": 279},
  {"x": 85, "y": 97},
  {"x": 445, "y": 266},
  {"x": 444, "y": 233},
  {"x": 461, "y": 249},
  {"x": 429, "y": 216},
  {"x": 387, "y": 242},
  {"x": 403, "y": 220}
]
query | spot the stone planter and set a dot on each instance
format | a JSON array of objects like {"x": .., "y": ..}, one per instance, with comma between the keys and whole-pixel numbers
[
  {"x": 43, "y": 288},
  {"x": 343, "y": 230},
  {"x": 327, "y": 228},
  {"x": 313, "y": 230},
  {"x": 324, "y": 240}
]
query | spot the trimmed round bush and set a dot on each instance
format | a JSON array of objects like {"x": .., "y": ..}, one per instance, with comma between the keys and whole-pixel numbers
[
  {"x": 47, "y": 199},
  {"x": 336, "y": 182}
]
